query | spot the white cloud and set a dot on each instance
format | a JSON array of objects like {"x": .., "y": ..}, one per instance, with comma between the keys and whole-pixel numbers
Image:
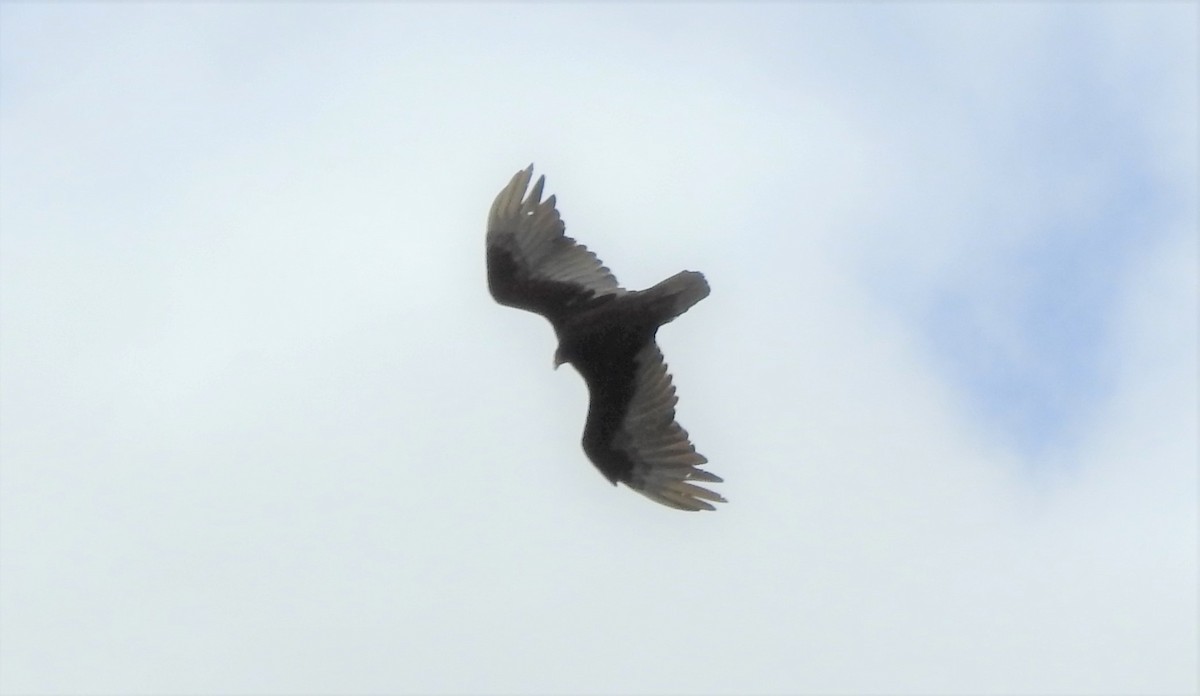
[{"x": 263, "y": 430}]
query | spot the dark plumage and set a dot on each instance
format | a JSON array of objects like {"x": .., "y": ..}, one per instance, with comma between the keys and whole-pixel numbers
[{"x": 607, "y": 333}]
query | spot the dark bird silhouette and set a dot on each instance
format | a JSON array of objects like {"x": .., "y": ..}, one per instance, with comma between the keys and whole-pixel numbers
[{"x": 607, "y": 333}]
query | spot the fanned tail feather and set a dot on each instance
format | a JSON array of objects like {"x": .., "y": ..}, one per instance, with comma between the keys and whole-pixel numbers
[{"x": 677, "y": 294}]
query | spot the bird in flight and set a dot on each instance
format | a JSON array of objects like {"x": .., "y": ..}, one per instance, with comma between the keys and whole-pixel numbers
[{"x": 607, "y": 332}]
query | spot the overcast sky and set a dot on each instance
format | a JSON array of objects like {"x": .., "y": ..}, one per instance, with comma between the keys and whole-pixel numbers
[{"x": 263, "y": 430}]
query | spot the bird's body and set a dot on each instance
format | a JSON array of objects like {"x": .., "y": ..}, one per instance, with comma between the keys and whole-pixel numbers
[{"x": 608, "y": 334}]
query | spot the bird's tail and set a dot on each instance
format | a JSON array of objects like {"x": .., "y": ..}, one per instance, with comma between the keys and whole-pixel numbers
[{"x": 677, "y": 294}]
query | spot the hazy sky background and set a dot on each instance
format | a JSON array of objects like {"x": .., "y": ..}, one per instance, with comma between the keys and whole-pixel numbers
[{"x": 263, "y": 430}]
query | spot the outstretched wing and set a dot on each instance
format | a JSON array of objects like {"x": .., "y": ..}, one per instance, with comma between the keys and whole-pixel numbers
[
  {"x": 532, "y": 265},
  {"x": 641, "y": 444}
]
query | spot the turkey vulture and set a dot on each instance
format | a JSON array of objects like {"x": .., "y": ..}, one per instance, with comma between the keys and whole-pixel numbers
[{"x": 607, "y": 333}]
